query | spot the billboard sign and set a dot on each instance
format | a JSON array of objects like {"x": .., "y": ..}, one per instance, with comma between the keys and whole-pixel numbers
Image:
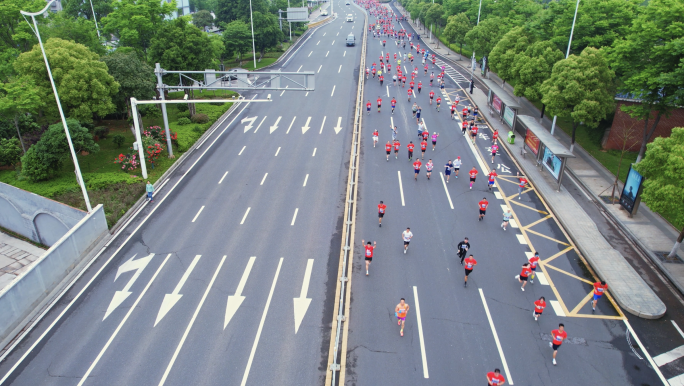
[
  {"x": 532, "y": 142},
  {"x": 297, "y": 14},
  {"x": 552, "y": 163},
  {"x": 631, "y": 190},
  {"x": 496, "y": 103},
  {"x": 508, "y": 116}
]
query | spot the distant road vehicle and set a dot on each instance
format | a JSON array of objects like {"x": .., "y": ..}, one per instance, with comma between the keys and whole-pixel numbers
[
  {"x": 350, "y": 17},
  {"x": 351, "y": 40}
]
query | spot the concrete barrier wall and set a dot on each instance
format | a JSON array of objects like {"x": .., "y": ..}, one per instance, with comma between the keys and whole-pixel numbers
[
  {"x": 38, "y": 218},
  {"x": 20, "y": 297}
]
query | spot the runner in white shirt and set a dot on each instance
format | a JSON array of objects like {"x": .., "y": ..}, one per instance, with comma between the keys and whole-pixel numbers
[
  {"x": 457, "y": 166},
  {"x": 406, "y": 235},
  {"x": 428, "y": 166}
]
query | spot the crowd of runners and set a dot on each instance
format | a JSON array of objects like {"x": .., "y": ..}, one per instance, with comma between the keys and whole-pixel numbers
[{"x": 390, "y": 65}]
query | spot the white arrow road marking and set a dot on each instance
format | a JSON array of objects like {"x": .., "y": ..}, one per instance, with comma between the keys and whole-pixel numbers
[
  {"x": 274, "y": 127},
  {"x": 251, "y": 122},
  {"x": 236, "y": 300},
  {"x": 338, "y": 128},
  {"x": 306, "y": 126},
  {"x": 301, "y": 304},
  {"x": 171, "y": 299},
  {"x": 130, "y": 311},
  {"x": 291, "y": 123},
  {"x": 262, "y": 121},
  {"x": 323, "y": 124},
  {"x": 130, "y": 265}
]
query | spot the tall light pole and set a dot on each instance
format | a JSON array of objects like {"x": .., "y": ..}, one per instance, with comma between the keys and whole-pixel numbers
[
  {"x": 251, "y": 22},
  {"x": 567, "y": 53},
  {"x": 59, "y": 104},
  {"x": 95, "y": 19},
  {"x": 472, "y": 64}
]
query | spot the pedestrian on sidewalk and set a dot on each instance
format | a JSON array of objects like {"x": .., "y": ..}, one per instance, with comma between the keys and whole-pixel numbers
[
  {"x": 495, "y": 378},
  {"x": 599, "y": 290},
  {"x": 534, "y": 261},
  {"x": 522, "y": 278},
  {"x": 149, "y": 188},
  {"x": 400, "y": 312},
  {"x": 381, "y": 212},
  {"x": 463, "y": 248},
  {"x": 557, "y": 336},
  {"x": 521, "y": 185},
  {"x": 406, "y": 236},
  {"x": 470, "y": 263},
  {"x": 368, "y": 253},
  {"x": 506, "y": 218},
  {"x": 539, "y": 306}
]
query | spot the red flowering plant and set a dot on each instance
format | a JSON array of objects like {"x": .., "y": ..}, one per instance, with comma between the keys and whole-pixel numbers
[
  {"x": 128, "y": 162},
  {"x": 151, "y": 147}
]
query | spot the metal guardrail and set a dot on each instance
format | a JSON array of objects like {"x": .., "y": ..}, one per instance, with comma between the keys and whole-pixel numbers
[{"x": 337, "y": 355}]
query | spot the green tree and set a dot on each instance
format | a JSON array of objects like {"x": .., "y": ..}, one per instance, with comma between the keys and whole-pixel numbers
[
  {"x": 85, "y": 87},
  {"x": 229, "y": 10},
  {"x": 19, "y": 97},
  {"x": 135, "y": 77},
  {"x": 580, "y": 87},
  {"x": 10, "y": 152},
  {"x": 202, "y": 19},
  {"x": 237, "y": 38},
  {"x": 455, "y": 7},
  {"x": 533, "y": 67},
  {"x": 136, "y": 22},
  {"x": 15, "y": 32},
  {"x": 483, "y": 37},
  {"x": 82, "y": 8},
  {"x": 46, "y": 157},
  {"x": 647, "y": 61},
  {"x": 78, "y": 30},
  {"x": 503, "y": 56},
  {"x": 663, "y": 167},
  {"x": 7, "y": 58},
  {"x": 456, "y": 29},
  {"x": 267, "y": 33}
]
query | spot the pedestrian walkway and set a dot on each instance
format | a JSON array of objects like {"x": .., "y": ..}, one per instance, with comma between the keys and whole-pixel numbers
[{"x": 15, "y": 257}]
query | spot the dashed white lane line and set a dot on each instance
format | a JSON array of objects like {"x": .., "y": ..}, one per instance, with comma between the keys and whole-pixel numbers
[
  {"x": 306, "y": 179},
  {"x": 319, "y": 68},
  {"x": 281, "y": 94},
  {"x": 326, "y": 54},
  {"x": 310, "y": 53},
  {"x": 319, "y": 42},
  {"x": 338, "y": 71},
  {"x": 294, "y": 217},
  {"x": 261, "y": 325},
  {"x": 451, "y": 204},
  {"x": 307, "y": 94},
  {"x": 521, "y": 239},
  {"x": 323, "y": 124},
  {"x": 324, "y": 33},
  {"x": 420, "y": 333},
  {"x": 557, "y": 307},
  {"x": 300, "y": 67},
  {"x": 263, "y": 179},
  {"x": 345, "y": 53},
  {"x": 243, "y": 149},
  {"x": 245, "y": 216},
  {"x": 387, "y": 91},
  {"x": 192, "y": 321},
  {"x": 496, "y": 338},
  {"x": 401, "y": 189},
  {"x": 291, "y": 123},
  {"x": 314, "y": 153},
  {"x": 224, "y": 176},
  {"x": 277, "y": 151},
  {"x": 338, "y": 34},
  {"x": 333, "y": 91},
  {"x": 333, "y": 42},
  {"x": 541, "y": 277},
  {"x": 198, "y": 213},
  {"x": 262, "y": 121}
]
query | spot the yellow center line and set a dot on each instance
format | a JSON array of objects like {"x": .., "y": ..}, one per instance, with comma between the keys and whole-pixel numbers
[
  {"x": 523, "y": 192},
  {"x": 512, "y": 182},
  {"x": 582, "y": 303},
  {"x": 528, "y": 226},
  {"x": 546, "y": 237},
  {"x": 509, "y": 200},
  {"x": 591, "y": 316},
  {"x": 568, "y": 273},
  {"x": 566, "y": 250}
]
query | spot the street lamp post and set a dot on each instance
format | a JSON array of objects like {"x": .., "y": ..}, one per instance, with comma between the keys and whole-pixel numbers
[
  {"x": 472, "y": 64},
  {"x": 567, "y": 53},
  {"x": 79, "y": 177},
  {"x": 95, "y": 19},
  {"x": 251, "y": 22}
]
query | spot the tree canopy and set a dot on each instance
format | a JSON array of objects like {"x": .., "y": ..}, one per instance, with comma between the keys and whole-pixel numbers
[
  {"x": 135, "y": 77},
  {"x": 503, "y": 56}
]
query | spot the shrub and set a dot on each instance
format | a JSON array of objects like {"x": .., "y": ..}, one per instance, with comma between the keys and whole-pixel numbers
[
  {"x": 182, "y": 107},
  {"x": 128, "y": 161},
  {"x": 183, "y": 114},
  {"x": 200, "y": 118},
  {"x": 150, "y": 111},
  {"x": 10, "y": 151},
  {"x": 198, "y": 129},
  {"x": 216, "y": 103},
  {"x": 183, "y": 121},
  {"x": 118, "y": 140},
  {"x": 101, "y": 131}
]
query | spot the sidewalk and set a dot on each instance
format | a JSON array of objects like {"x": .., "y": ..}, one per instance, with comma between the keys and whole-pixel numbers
[
  {"x": 15, "y": 257},
  {"x": 650, "y": 231}
]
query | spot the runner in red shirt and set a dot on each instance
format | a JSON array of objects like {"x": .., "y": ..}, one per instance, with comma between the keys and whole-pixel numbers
[
  {"x": 381, "y": 212},
  {"x": 420, "y": 86},
  {"x": 432, "y": 96},
  {"x": 464, "y": 127},
  {"x": 599, "y": 289},
  {"x": 495, "y": 135},
  {"x": 483, "y": 207},
  {"x": 368, "y": 252},
  {"x": 473, "y": 175},
  {"x": 469, "y": 264},
  {"x": 375, "y": 137},
  {"x": 495, "y": 378},
  {"x": 368, "y": 106},
  {"x": 411, "y": 84},
  {"x": 403, "y": 81},
  {"x": 539, "y": 306},
  {"x": 410, "y": 92},
  {"x": 379, "y": 103},
  {"x": 373, "y": 72},
  {"x": 393, "y": 102},
  {"x": 425, "y": 134},
  {"x": 388, "y": 149},
  {"x": 416, "y": 168},
  {"x": 522, "y": 278},
  {"x": 473, "y": 132},
  {"x": 464, "y": 111},
  {"x": 558, "y": 336},
  {"x": 534, "y": 261},
  {"x": 492, "y": 176},
  {"x": 397, "y": 145},
  {"x": 521, "y": 185},
  {"x": 423, "y": 147},
  {"x": 410, "y": 147}
]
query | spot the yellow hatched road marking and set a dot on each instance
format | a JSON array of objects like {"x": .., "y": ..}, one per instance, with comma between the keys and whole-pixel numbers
[
  {"x": 528, "y": 226},
  {"x": 567, "y": 273},
  {"x": 566, "y": 250},
  {"x": 546, "y": 237},
  {"x": 510, "y": 201},
  {"x": 582, "y": 303}
]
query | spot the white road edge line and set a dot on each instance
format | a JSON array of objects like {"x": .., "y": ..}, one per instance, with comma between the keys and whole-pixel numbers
[
  {"x": 198, "y": 213},
  {"x": 451, "y": 204},
  {"x": 243, "y": 149},
  {"x": 295, "y": 216},
  {"x": 245, "y": 216},
  {"x": 118, "y": 328},
  {"x": 401, "y": 190},
  {"x": 192, "y": 321},
  {"x": 261, "y": 325},
  {"x": 648, "y": 356},
  {"x": 496, "y": 338},
  {"x": 224, "y": 176},
  {"x": 306, "y": 179},
  {"x": 420, "y": 333},
  {"x": 263, "y": 179}
]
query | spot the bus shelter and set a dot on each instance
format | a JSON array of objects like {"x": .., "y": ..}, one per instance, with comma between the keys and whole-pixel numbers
[
  {"x": 500, "y": 102},
  {"x": 548, "y": 151}
]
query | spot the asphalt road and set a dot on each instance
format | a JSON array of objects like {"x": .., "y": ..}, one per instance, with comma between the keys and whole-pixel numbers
[
  {"x": 453, "y": 338},
  {"x": 249, "y": 225}
]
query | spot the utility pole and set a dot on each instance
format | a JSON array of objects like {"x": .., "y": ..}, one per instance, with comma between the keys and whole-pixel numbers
[
  {"x": 472, "y": 64},
  {"x": 251, "y": 22},
  {"x": 567, "y": 53}
]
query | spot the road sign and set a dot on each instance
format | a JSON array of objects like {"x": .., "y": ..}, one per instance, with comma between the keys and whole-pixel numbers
[{"x": 297, "y": 14}]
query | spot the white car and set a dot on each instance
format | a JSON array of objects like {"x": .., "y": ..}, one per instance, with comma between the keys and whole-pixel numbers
[
  {"x": 324, "y": 12},
  {"x": 347, "y": 3},
  {"x": 350, "y": 17}
]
